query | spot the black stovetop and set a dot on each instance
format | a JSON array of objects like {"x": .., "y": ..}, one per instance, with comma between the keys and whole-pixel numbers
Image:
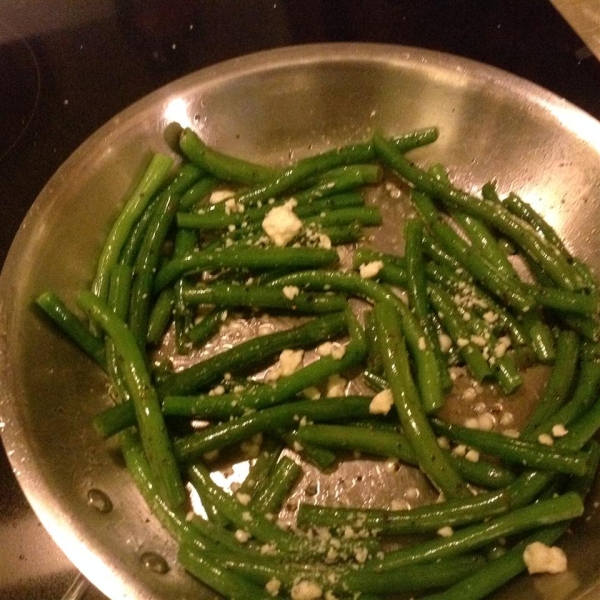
[{"x": 67, "y": 67}]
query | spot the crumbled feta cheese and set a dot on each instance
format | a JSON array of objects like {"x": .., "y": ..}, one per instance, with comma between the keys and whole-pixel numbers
[
  {"x": 361, "y": 554},
  {"x": 472, "y": 456},
  {"x": 306, "y": 590},
  {"x": 289, "y": 361},
  {"x": 336, "y": 386},
  {"x": 511, "y": 433},
  {"x": 559, "y": 430},
  {"x": 399, "y": 504},
  {"x": 460, "y": 450},
  {"x": 220, "y": 195},
  {"x": 273, "y": 586},
  {"x": 507, "y": 418},
  {"x": 545, "y": 439},
  {"x": 246, "y": 516},
  {"x": 381, "y": 403},
  {"x": 445, "y": 342},
  {"x": 422, "y": 343},
  {"x": 243, "y": 498},
  {"x": 242, "y": 536},
  {"x": 412, "y": 493},
  {"x": 486, "y": 422},
  {"x": 462, "y": 342},
  {"x": 445, "y": 531},
  {"x": 490, "y": 317},
  {"x": 281, "y": 224},
  {"x": 471, "y": 423},
  {"x": 469, "y": 394},
  {"x": 479, "y": 340},
  {"x": 443, "y": 442},
  {"x": 540, "y": 558},
  {"x": 368, "y": 270},
  {"x": 324, "y": 241},
  {"x": 312, "y": 393},
  {"x": 291, "y": 291}
]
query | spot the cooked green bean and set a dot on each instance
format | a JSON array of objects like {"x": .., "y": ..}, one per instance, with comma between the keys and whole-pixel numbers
[
  {"x": 151, "y": 426},
  {"x": 422, "y": 519},
  {"x": 520, "y": 452},
  {"x": 408, "y": 404},
  {"x": 261, "y": 467},
  {"x": 71, "y": 326},
  {"x": 270, "y": 419},
  {"x": 220, "y": 165},
  {"x": 134, "y": 206},
  {"x": 251, "y": 353},
  {"x": 197, "y": 192},
  {"x": 160, "y": 316},
  {"x": 244, "y": 258},
  {"x": 544, "y": 512},
  {"x": 560, "y": 381},
  {"x": 273, "y": 491},
  {"x": 229, "y": 295}
]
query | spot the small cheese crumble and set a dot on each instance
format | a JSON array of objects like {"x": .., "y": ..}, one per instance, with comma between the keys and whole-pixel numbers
[
  {"x": 399, "y": 504},
  {"x": 540, "y": 558},
  {"x": 445, "y": 531},
  {"x": 289, "y": 361},
  {"x": 220, "y": 195},
  {"x": 243, "y": 498},
  {"x": 472, "y": 456},
  {"x": 306, "y": 590},
  {"x": 559, "y": 430},
  {"x": 312, "y": 393},
  {"x": 291, "y": 291},
  {"x": 445, "y": 342},
  {"x": 281, "y": 224},
  {"x": 368, "y": 270},
  {"x": 242, "y": 536},
  {"x": 422, "y": 343},
  {"x": 336, "y": 386},
  {"x": 273, "y": 586},
  {"x": 381, "y": 403},
  {"x": 545, "y": 439}
]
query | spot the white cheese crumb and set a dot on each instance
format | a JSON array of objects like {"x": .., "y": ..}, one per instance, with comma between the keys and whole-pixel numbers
[
  {"x": 462, "y": 342},
  {"x": 291, "y": 291},
  {"x": 469, "y": 394},
  {"x": 443, "y": 442},
  {"x": 268, "y": 549},
  {"x": 559, "y": 430},
  {"x": 540, "y": 558},
  {"x": 361, "y": 554},
  {"x": 220, "y": 195},
  {"x": 273, "y": 586},
  {"x": 312, "y": 393},
  {"x": 247, "y": 516},
  {"x": 306, "y": 590},
  {"x": 422, "y": 343},
  {"x": 324, "y": 241},
  {"x": 289, "y": 361},
  {"x": 242, "y": 536},
  {"x": 412, "y": 493},
  {"x": 368, "y": 270},
  {"x": 336, "y": 386},
  {"x": 472, "y": 456},
  {"x": 545, "y": 439},
  {"x": 490, "y": 317},
  {"x": 507, "y": 418},
  {"x": 399, "y": 504},
  {"x": 511, "y": 433},
  {"x": 381, "y": 403},
  {"x": 460, "y": 450},
  {"x": 471, "y": 423},
  {"x": 281, "y": 224},
  {"x": 445, "y": 342},
  {"x": 445, "y": 531},
  {"x": 243, "y": 498}
]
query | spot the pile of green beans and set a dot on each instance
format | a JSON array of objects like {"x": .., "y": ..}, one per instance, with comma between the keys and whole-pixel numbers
[{"x": 489, "y": 287}]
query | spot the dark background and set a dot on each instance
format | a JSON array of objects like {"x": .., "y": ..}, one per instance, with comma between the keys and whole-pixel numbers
[{"x": 67, "y": 67}]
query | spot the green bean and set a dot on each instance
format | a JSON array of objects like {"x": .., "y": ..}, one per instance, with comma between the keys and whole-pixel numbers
[
  {"x": 559, "y": 383},
  {"x": 391, "y": 444},
  {"x": 516, "y": 451},
  {"x": 364, "y": 255},
  {"x": 246, "y": 258},
  {"x": 229, "y": 295},
  {"x": 495, "y": 215},
  {"x": 494, "y": 281},
  {"x": 422, "y": 519},
  {"x": 586, "y": 328},
  {"x": 221, "y": 165},
  {"x": 408, "y": 405},
  {"x": 270, "y": 419},
  {"x": 342, "y": 234},
  {"x": 320, "y": 163},
  {"x": 428, "y": 375},
  {"x": 261, "y": 467},
  {"x": 200, "y": 190},
  {"x": 436, "y": 253},
  {"x": 366, "y": 216},
  {"x": 418, "y": 299},
  {"x": 220, "y": 579},
  {"x": 160, "y": 316},
  {"x": 251, "y": 353},
  {"x": 151, "y": 426},
  {"x": 258, "y": 525},
  {"x": 585, "y": 393},
  {"x": 322, "y": 458},
  {"x": 136, "y": 203},
  {"x": 544, "y": 512},
  {"x": 206, "y": 328},
  {"x": 459, "y": 332},
  {"x": 584, "y": 304},
  {"x": 412, "y": 578},
  {"x": 146, "y": 264},
  {"x": 271, "y": 494},
  {"x": 495, "y": 573},
  {"x": 71, "y": 326}
]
